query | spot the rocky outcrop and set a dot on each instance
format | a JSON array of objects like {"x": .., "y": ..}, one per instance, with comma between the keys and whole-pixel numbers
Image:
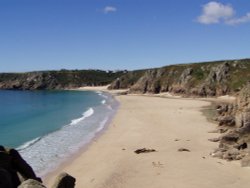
[
  {"x": 64, "y": 180},
  {"x": 234, "y": 122},
  {"x": 127, "y": 80},
  {"x": 200, "y": 79},
  {"x": 14, "y": 165},
  {"x": 5, "y": 179},
  {"x": 30, "y": 183},
  {"x": 150, "y": 82},
  {"x": 16, "y": 172}
]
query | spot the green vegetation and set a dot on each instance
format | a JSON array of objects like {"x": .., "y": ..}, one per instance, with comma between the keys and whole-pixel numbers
[
  {"x": 204, "y": 79},
  {"x": 58, "y": 79}
]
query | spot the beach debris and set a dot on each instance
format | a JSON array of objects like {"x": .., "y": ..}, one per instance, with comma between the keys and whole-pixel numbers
[
  {"x": 157, "y": 164},
  {"x": 123, "y": 149},
  {"x": 183, "y": 149},
  {"x": 144, "y": 150},
  {"x": 214, "y": 139},
  {"x": 177, "y": 140}
]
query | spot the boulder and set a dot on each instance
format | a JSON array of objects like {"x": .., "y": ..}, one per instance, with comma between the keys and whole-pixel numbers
[
  {"x": 5, "y": 179},
  {"x": 18, "y": 169},
  {"x": 30, "y": 183},
  {"x": 230, "y": 138},
  {"x": 228, "y": 120},
  {"x": 21, "y": 166},
  {"x": 232, "y": 154},
  {"x": 16, "y": 172},
  {"x": 64, "y": 180}
]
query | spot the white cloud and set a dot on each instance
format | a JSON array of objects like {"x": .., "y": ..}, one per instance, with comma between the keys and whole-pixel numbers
[
  {"x": 241, "y": 20},
  {"x": 109, "y": 9},
  {"x": 215, "y": 12}
]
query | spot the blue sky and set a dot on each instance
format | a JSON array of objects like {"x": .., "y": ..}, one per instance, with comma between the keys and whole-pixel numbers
[{"x": 120, "y": 34}]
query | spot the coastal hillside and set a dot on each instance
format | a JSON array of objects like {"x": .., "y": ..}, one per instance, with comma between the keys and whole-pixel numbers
[
  {"x": 199, "y": 79},
  {"x": 62, "y": 79},
  {"x": 195, "y": 79}
]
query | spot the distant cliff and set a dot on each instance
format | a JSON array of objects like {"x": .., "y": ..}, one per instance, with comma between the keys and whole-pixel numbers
[
  {"x": 57, "y": 79},
  {"x": 199, "y": 79}
]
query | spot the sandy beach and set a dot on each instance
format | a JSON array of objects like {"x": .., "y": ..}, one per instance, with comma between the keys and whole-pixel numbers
[{"x": 163, "y": 124}]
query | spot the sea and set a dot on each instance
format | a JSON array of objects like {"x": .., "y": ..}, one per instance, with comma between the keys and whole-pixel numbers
[{"x": 47, "y": 127}]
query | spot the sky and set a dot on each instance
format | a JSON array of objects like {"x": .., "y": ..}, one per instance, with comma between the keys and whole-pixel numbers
[{"x": 120, "y": 34}]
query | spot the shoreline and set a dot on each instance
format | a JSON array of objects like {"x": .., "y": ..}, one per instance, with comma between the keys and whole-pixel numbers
[
  {"x": 67, "y": 160},
  {"x": 110, "y": 161}
]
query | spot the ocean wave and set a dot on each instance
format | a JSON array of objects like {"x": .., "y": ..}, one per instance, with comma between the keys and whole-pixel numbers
[
  {"x": 100, "y": 93},
  {"x": 102, "y": 125},
  {"x": 86, "y": 114},
  {"x": 28, "y": 144},
  {"x": 56, "y": 147},
  {"x": 103, "y": 101}
]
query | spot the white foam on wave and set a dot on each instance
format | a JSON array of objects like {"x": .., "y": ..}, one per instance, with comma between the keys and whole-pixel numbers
[
  {"x": 104, "y": 96},
  {"x": 100, "y": 93},
  {"x": 28, "y": 144},
  {"x": 103, "y": 101},
  {"x": 102, "y": 125},
  {"x": 86, "y": 114}
]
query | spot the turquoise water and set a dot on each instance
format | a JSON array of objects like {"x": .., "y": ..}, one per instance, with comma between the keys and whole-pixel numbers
[
  {"x": 26, "y": 115},
  {"x": 48, "y": 126}
]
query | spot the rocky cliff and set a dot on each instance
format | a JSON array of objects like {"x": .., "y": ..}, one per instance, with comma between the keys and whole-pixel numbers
[
  {"x": 199, "y": 79},
  {"x": 57, "y": 79},
  {"x": 234, "y": 124}
]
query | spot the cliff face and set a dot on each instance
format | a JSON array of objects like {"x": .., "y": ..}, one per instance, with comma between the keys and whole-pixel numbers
[
  {"x": 200, "y": 79},
  {"x": 234, "y": 124},
  {"x": 56, "y": 79}
]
